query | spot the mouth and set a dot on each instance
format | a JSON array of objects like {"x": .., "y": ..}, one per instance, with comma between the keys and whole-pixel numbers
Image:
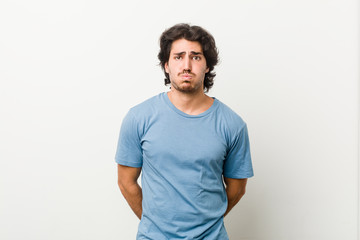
[{"x": 186, "y": 76}]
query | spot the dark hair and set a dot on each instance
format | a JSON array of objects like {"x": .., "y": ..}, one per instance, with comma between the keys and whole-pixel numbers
[{"x": 190, "y": 33}]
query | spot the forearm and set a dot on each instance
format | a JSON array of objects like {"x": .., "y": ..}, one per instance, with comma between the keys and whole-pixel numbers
[
  {"x": 233, "y": 199},
  {"x": 133, "y": 195},
  {"x": 130, "y": 189},
  {"x": 235, "y": 190}
]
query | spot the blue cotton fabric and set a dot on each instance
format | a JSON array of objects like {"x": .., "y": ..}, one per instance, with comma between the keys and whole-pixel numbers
[{"x": 183, "y": 159}]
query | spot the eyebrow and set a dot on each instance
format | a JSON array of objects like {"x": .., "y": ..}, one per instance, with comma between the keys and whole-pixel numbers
[{"x": 192, "y": 52}]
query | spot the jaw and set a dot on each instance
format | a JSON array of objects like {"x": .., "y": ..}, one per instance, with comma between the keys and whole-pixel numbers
[{"x": 187, "y": 87}]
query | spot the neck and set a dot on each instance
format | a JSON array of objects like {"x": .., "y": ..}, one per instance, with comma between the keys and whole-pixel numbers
[{"x": 190, "y": 103}]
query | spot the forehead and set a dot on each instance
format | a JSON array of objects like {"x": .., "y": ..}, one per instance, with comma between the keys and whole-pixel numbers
[{"x": 183, "y": 45}]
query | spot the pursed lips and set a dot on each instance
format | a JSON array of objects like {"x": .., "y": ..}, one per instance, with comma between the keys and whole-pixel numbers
[{"x": 186, "y": 76}]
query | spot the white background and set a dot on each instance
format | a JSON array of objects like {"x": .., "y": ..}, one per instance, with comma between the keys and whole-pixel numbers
[{"x": 70, "y": 70}]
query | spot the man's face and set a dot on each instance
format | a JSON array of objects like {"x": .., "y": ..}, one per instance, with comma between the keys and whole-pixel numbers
[{"x": 186, "y": 66}]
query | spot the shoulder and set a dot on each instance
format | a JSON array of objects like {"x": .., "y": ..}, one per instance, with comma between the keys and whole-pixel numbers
[
  {"x": 147, "y": 107},
  {"x": 232, "y": 120},
  {"x": 143, "y": 115}
]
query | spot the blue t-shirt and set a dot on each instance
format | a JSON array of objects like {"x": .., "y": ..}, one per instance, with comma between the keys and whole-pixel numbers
[{"x": 183, "y": 158}]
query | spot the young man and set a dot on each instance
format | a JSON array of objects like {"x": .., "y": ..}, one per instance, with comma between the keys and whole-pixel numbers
[{"x": 186, "y": 144}]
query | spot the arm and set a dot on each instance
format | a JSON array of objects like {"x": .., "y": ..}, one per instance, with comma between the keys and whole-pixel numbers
[
  {"x": 129, "y": 187},
  {"x": 235, "y": 190}
]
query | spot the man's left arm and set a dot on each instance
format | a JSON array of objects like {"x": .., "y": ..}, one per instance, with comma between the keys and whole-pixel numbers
[{"x": 235, "y": 190}]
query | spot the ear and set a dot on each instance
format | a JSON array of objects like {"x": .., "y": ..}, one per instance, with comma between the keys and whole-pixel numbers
[
  {"x": 166, "y": 68},
  {"x": 207, "y": 70}
]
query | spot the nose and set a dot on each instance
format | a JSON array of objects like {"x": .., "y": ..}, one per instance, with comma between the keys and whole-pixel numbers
[{"x": 187, "y": 64}]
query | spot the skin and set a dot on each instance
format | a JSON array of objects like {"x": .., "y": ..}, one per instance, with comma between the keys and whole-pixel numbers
[
  {"x": 235, "y": 190},
  {"x": 186, "y": 68},
  {"x": 129, "y": 187}
]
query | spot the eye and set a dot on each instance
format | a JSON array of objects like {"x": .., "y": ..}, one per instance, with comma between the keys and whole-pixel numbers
[
  {"x": 177, "y": 57},
  {"x": 197, "y": 58}
]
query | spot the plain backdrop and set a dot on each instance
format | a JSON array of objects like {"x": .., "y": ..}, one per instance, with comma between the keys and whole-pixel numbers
[{"x": 70, "y": 70}]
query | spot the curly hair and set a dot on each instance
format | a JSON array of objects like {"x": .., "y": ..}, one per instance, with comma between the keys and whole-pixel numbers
[{"x": 190, "y": 33}]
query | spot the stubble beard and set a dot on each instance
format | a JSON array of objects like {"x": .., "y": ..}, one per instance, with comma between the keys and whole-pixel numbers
[
  {"x": 186, "y": 89},
  {"x": 189, "y": 89}
]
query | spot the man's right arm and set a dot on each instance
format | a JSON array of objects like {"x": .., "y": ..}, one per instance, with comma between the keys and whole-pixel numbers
[{"x": 129, "y": 187}]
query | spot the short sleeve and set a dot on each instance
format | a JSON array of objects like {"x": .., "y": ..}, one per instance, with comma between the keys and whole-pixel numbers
[
  {"x": 238, "y": 160},
  {"x": 129, "y": 151}
]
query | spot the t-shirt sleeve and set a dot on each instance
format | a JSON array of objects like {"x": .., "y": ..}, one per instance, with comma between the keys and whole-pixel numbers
[
  {"x": 238, "y": 160},
  {"x": 129, "y": 151}
]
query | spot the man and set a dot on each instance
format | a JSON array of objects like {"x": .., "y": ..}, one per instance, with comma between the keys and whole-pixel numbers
[{"x": 186, "y": 144}]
